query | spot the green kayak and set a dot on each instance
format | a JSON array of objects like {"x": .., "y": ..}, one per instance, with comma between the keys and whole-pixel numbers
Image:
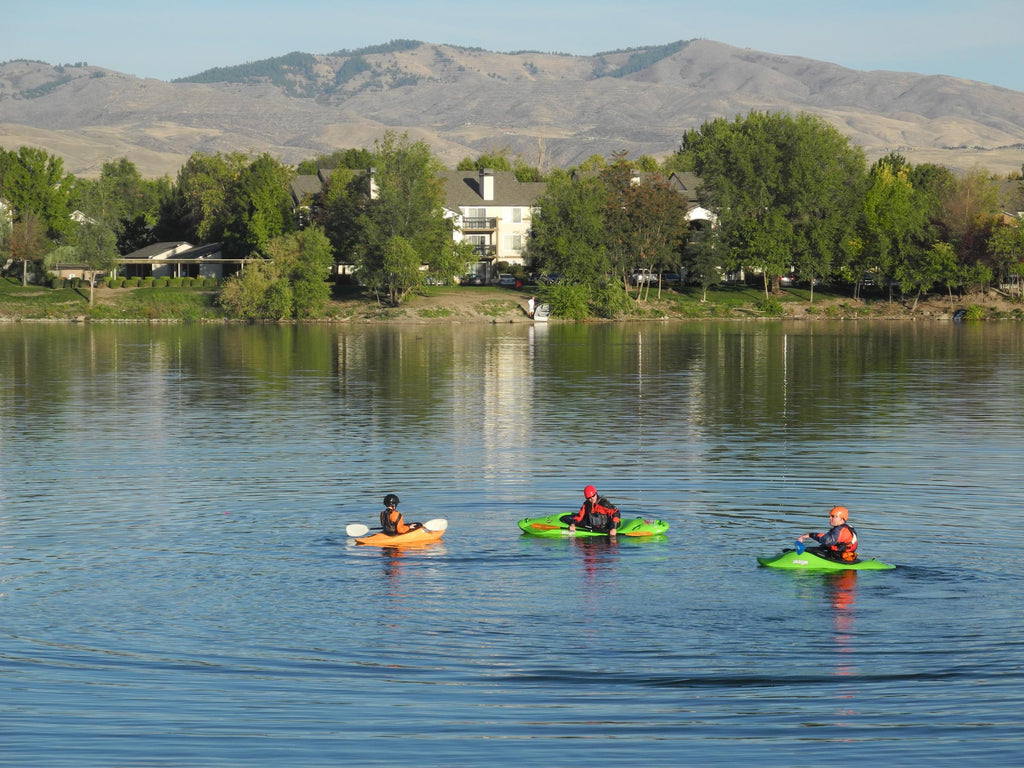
[
  {"x": 552, "y": 527},
  {"x": 808, "y": 561}
]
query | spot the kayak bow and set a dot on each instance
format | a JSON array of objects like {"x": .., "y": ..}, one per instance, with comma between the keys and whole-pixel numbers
[
  {"x": 808, "y": 561},
  {"x": 552, "y": 527}
]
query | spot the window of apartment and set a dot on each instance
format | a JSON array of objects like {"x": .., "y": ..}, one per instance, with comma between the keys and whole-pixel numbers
[
  {"x": 517, "y": 215},
  {"x": 513, "y": 242},
  {"x": 476, "y": 213}
]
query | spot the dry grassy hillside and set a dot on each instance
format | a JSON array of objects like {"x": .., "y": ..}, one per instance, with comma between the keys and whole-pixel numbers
[{"x": 554, "y": 110}]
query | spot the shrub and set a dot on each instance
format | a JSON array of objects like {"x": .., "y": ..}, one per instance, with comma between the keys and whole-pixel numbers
[
  {"x": 770, "y": 306},
  {"x": 147, "y": 282},
  {"x": 975, "y": 312},
  {"x": 175, "y": 282},
  {"x": 571, "y": 301},
  {"x": 611, "y": 301}
]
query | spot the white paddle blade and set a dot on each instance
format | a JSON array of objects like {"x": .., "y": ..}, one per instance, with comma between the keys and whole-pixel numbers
[
  {"x": 438, "y": 524},
  {"x": 356, "y": 529}
]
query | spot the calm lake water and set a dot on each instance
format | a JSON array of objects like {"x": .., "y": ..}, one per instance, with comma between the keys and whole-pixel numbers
[{"x": 177, "y": 588}]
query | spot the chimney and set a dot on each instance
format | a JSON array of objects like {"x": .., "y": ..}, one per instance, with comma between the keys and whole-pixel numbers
[
  {"x": 374, "y": 190},
  {"x": 487, "y": 184}
]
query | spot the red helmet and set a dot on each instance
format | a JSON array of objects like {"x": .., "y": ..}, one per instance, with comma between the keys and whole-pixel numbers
[
  {"x": 589, "y": 491},
  {"x": 842, "y": 512}
]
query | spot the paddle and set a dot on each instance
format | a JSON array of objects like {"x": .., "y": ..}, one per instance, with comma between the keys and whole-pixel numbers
[
  {"x": 356, "y": 530},
  {"x": 799, "y": 546}
]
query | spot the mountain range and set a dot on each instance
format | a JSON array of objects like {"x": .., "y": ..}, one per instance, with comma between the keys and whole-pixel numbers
[{"x": 550, "y": 109}]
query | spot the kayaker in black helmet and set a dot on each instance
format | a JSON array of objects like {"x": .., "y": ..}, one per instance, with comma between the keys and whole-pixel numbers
[
  {"x": 391, "y": 519},
  {"x": 597, "y": 513}
]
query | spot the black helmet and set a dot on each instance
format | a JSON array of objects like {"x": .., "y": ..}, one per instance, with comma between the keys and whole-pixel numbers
[{"x": 391, "y": 500}]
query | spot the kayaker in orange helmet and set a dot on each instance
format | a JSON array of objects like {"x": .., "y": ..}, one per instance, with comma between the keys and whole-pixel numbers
[
  {"x": 840, "y": 541},
  {"x": 391, "y": 519},
  {"x": 597, "y": 513}
]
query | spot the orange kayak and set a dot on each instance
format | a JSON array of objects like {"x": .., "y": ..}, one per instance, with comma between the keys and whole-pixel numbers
[{"x": 416, "y": 536}]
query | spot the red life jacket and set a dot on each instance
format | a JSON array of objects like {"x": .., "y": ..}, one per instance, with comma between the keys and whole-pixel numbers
[{"x": 846, "y": 548}]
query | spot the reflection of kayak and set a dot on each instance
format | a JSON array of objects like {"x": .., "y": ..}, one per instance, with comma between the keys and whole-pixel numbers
[
  {"x": 416, "y": 536},
  {"x": 553, "y": 527},
  {"x": 808, "y": 561}
]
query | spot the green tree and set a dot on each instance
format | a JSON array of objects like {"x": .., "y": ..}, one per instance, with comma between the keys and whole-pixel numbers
[
  {"x": 1006, "y": 247},
  {"x": 304, "y": 259},
  {"x": 969, "y": 209},
  {"x": 399, "y": 269},
  {"x": 781, "y": 186},
  {"x": 923, "y": 269},
  {"x": 496, "y": 160},
  {"x": 96, "y": 247},
  {"x": 644, "y": 219},
  {"x": 705, "y": 259},
  {"x": 201, "y": 207},
  {"x": 124, "y": 201},
  {"x": 568, "y": 235},
  {"x": 344, "y": 199},
  {"x": 27, "y": 242},
  {"x": 407, "y": 203},
  {"x": 894, "y": 222},
  {"x": 33, "y": 180},
  {"x": 259, "y": 207}
]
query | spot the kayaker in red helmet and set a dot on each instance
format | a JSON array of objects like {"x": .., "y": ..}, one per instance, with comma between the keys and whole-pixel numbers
[
  {"x": 840, "y": 541},
  {"x": 391, "y": 519},
  {"x": 597, "y": 513}
]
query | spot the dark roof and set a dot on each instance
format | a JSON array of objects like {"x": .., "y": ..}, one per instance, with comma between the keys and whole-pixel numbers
[
  {"x": 686, "y": 184},
  {"x": 166, "y": 252},
  {"x": 462, "y": 189},
  {"x": 155, "y": 250},
  {"x": 306, "y": 185}
]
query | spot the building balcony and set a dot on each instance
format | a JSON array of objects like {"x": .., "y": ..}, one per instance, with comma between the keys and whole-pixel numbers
[{"x": 479, "y": 224}]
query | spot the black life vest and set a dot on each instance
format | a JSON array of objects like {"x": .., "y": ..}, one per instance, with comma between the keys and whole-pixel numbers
[{"x": 388, "y": 525}]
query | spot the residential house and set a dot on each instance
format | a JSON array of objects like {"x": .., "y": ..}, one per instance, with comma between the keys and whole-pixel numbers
[
  {"x": 305, "y": 192},
  {"x": 180, "y": 259},
  {"x": 493, "y": 211},
  {"x": 687, "y": 184}
]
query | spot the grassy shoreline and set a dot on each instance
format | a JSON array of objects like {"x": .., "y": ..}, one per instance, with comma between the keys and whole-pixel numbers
[{"x": 442, "y": 304}]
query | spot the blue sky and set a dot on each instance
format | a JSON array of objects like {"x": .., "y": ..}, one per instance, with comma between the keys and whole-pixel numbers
[{"x": 976, "y": 41}]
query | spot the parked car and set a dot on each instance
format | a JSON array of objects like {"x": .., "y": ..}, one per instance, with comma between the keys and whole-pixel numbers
[
  {"x": 670, "y": 278},
  {"x": 787, "y": 281},
  {"x": 471, "y": 279},
  {"x": 642, "y": 276},
  {"x": 508, "y": 281}
]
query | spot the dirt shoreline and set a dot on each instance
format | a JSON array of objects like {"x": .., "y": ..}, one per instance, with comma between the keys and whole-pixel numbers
[
  {"x": 490, "y": 305},
  {"x": 468, "y": 307}
]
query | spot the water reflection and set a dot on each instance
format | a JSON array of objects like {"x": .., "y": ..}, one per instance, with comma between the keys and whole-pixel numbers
[{"x": 161, "y": 487}]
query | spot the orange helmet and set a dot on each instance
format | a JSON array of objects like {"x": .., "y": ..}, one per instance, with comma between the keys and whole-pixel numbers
[
  {"x": 589, "y": 491},
  {"x": 842, "y": 512}
]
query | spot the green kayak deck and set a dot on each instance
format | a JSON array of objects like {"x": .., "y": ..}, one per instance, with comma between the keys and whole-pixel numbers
[
  {"x": 808, "y": 561},
  {"x": 553, "y": 527}
]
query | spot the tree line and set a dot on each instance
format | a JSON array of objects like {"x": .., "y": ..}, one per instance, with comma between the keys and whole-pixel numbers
[{"x": 786, "y": 193}]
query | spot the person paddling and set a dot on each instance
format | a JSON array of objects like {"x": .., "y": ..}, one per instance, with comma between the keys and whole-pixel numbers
[
  {"x": 596, "y": 514},
  {"x": 391, "y": 519},
  {"x": 840, "y": 541}
]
